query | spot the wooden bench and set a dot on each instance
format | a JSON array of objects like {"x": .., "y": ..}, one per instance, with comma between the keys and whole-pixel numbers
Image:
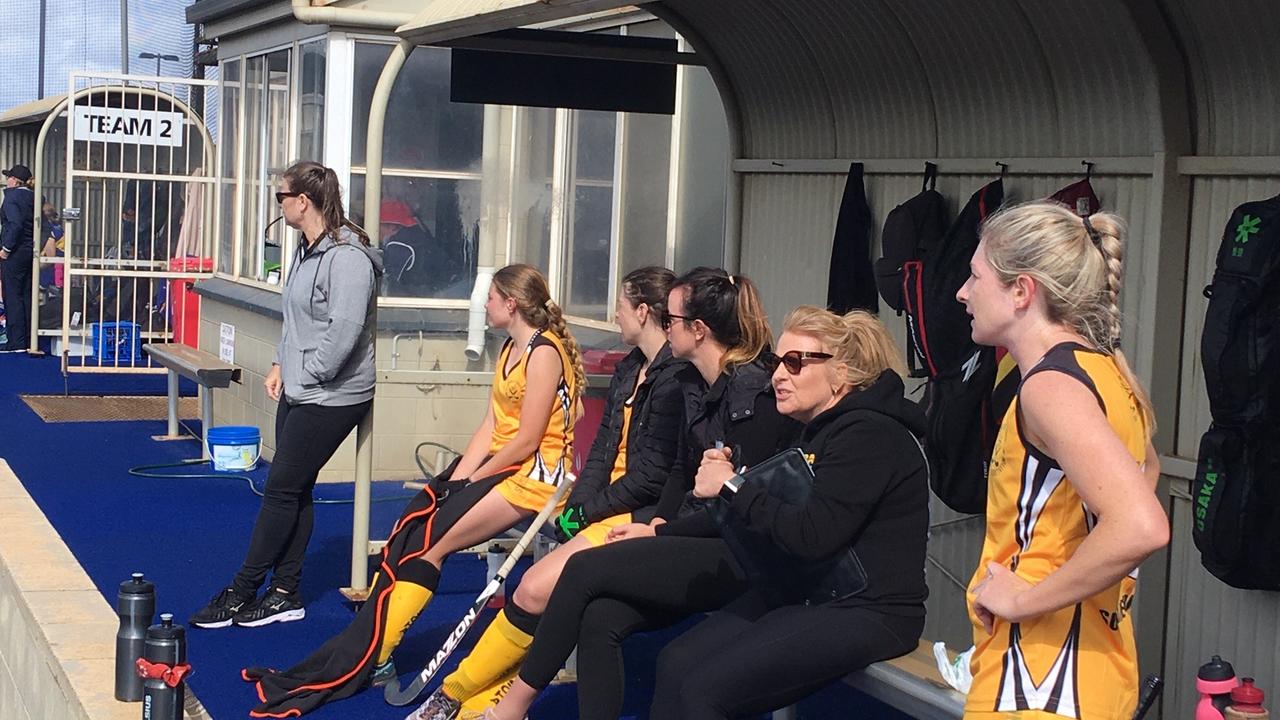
[
  {"x": 208, "y": 371},
  {"x": 910, "y": 683}
]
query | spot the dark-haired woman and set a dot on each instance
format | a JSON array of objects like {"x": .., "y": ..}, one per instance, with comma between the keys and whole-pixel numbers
[
  {"x": 716, "y": 321},
  {"x": 323, "y": 380},
  {"x": 630, "y": 463}
]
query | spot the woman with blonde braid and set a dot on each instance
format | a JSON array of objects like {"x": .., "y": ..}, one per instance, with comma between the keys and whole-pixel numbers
[
  {"x": 512, "y": 466},
  {"x": 1071, "y": 511}
]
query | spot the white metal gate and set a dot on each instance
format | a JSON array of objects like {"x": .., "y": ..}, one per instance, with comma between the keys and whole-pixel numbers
[{"x": 139, "y": 218}]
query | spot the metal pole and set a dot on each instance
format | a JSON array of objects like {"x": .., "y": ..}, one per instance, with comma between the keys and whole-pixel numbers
[
  {"x": 206, "y": 418},
  {"x": 173, "y": 404},
  {"x": 372, "y": 216},
  {"x": 124, "y": 36},
  {"x": 40, "y": 63}
]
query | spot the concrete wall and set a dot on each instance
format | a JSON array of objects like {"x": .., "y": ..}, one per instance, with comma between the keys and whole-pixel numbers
[{"x": 408, "y": 409}]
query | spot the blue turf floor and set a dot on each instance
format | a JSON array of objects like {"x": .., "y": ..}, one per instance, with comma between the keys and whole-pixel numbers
[{"x": 189, "y": 537}]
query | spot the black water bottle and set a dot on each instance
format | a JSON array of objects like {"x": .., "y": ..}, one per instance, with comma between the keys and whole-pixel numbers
[
  {"x": 136, "y": 605},
  {"x": 166, "y": 646}
]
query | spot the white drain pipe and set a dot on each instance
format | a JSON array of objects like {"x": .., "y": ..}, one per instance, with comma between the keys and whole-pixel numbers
[
  {"x": 491, "y": 201},
  {"x": 350, "y": 17}
]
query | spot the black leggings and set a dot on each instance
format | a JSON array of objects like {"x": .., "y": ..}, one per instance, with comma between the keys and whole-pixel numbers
[
  {"x": 306, "y": 437},
  {"x": 15, "y": 276},
  {"x": 607, "y": 593},
  {"x": 749, "y": 658}
]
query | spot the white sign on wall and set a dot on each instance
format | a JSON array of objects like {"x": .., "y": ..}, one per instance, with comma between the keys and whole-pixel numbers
[
  {"x": 135, "y": 127},
  {"x": 227, "y": 343}
]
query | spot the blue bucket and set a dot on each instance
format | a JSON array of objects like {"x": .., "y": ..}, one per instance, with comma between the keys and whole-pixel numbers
[{"x": 234, "y": 448}]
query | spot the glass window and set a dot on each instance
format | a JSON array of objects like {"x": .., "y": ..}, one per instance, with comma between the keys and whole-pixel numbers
[
  {"x": 266, "y": 101},
  {"x": 531, "y": 189},
  {"x": 424, "y": 130},
  {"x": 587, "y": 247},
  {"x": 230, "y": 141},
  {"x": 429, "y": 233},
  {"x": 311, "y": 101}
]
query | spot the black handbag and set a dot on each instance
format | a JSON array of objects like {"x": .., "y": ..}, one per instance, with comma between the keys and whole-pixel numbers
[{"x": 781, "y": 576}]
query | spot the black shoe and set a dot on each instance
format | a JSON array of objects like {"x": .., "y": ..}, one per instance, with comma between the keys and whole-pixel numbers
[
  {"x": 221, "y": 609},
  {"x": 383, "y": 674},
  {"x": 276, "y": 606}
]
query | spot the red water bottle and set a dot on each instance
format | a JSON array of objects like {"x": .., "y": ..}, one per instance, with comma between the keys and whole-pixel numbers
[
  {"x": 1214, "y": 682},
  {"x": 1246, "y": 702}
]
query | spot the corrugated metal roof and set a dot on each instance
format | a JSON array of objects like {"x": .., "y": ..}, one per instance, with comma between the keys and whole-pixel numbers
[
  {"x": 33, "y": 112},
  {"x": 932, "y": 78}
]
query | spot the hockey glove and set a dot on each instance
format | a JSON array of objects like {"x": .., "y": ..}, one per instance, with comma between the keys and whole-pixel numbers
[{"x": 570, "y": 522}]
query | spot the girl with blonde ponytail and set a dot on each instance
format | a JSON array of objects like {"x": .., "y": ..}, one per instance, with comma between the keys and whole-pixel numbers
[
  {"x": 1071, "y": 507},
  {"x": 518, "y": 456}
]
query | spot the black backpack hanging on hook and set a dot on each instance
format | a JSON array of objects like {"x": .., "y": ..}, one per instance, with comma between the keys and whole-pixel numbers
[
  {"x": 912, "y": 231},
  {"x": 1236, "y": 492}
]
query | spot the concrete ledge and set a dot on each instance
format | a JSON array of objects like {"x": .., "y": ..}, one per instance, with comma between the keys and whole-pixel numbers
[
  {"x": 911, "y": 684},
  {"x": 57, "y": 632}
]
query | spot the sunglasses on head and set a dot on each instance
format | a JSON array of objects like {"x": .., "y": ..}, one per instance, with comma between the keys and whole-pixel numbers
[
  {"x": 793, "y": 361},
  {"x": 281, "y": 195},
  {"x": 668, "y": 318}
]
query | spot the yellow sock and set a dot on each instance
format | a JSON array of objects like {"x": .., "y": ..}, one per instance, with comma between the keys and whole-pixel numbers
[
  {"x": 493, "y": 694},
  {"x": 407, "y": 600},
  {"x": 498, "y": 653}
]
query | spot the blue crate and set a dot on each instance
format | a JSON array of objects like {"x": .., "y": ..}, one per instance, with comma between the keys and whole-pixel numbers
[{"x": 116, "y": 341}]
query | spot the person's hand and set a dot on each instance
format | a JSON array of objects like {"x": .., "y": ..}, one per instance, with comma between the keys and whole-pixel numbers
[
  {"x": 998, "y": 596},
  {"x": 571, "y": 521},
  {"x": 630, "y": 531},
  {"x": 273, "y": 383},
  {"x": 4, "y": 254},
  {"x": 714, "y": 470}
]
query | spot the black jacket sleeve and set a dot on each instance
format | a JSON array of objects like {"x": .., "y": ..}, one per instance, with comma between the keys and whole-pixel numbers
[
  {"x": 595, "y": 473},
  {"x": 851, "y": 474},
  {"x": 650, "y": 459},
  {"x": 10, "y": 222}
]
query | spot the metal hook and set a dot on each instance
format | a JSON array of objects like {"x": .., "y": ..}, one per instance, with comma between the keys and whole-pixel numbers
[
  {"x": 1004, "y": 168},
  {"x": 1088, "y": 169}
]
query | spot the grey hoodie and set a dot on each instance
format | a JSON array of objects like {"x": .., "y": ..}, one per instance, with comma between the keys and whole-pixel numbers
[{"x": 326, "y": 348}]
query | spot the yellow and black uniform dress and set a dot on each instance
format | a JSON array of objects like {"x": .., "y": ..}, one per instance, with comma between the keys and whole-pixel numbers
[
  {"x": 597, "y": 532},
  {"x": 1078, "y": 662},
  {"x": 537, "y": 478},
  {"x": 405, "y": 582}
]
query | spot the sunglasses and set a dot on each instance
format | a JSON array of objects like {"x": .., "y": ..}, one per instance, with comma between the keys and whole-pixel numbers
[
  {"x": 281, "y": 195},
  {"x": 668, "y": 317},
  {"x": 793, "y": 361}
]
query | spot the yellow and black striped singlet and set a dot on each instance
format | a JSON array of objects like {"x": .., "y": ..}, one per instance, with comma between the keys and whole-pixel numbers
[
  {"x": 538, "y": 476},
  {"x": 1081, "y": 661}
]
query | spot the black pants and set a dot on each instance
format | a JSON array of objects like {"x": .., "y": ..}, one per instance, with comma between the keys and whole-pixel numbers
[
  {"x": 15, "y": 273},
  {"x": 750, "y": 658},
  {"x": 607, "y": 593},
  {"x": 306, "y": 437}
]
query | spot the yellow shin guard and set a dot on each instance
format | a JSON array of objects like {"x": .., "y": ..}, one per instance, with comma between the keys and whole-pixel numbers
[
  {"x": 491, "y": 664},
  {"x": 407, "y": 600}
]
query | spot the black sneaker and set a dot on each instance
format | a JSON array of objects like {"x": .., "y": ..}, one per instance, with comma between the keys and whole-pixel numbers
[
  {"x": 276, "y": 606},
  {"x": 383, "y": 674},
  {"x": 221, "y": 609}
]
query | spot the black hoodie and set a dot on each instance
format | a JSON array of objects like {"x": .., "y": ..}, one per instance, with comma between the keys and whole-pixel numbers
[{"x": 870, "y": 492}]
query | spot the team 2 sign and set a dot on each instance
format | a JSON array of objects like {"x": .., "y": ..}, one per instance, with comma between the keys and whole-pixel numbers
[{"x": 135, "y": 127}]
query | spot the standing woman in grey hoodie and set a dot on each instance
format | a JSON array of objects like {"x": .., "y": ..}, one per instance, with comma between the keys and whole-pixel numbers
[{"x": 323, "y": 379}]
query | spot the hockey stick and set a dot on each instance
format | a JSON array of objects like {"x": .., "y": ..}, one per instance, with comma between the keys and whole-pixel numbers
[{"x": 401, "y": 697}]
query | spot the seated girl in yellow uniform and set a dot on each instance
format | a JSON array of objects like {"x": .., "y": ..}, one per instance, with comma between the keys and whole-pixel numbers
[
  {"x": 511, "y": 468},
  {"x": 630, "y": 463},
  {"x": 1071, "y": 507}
]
